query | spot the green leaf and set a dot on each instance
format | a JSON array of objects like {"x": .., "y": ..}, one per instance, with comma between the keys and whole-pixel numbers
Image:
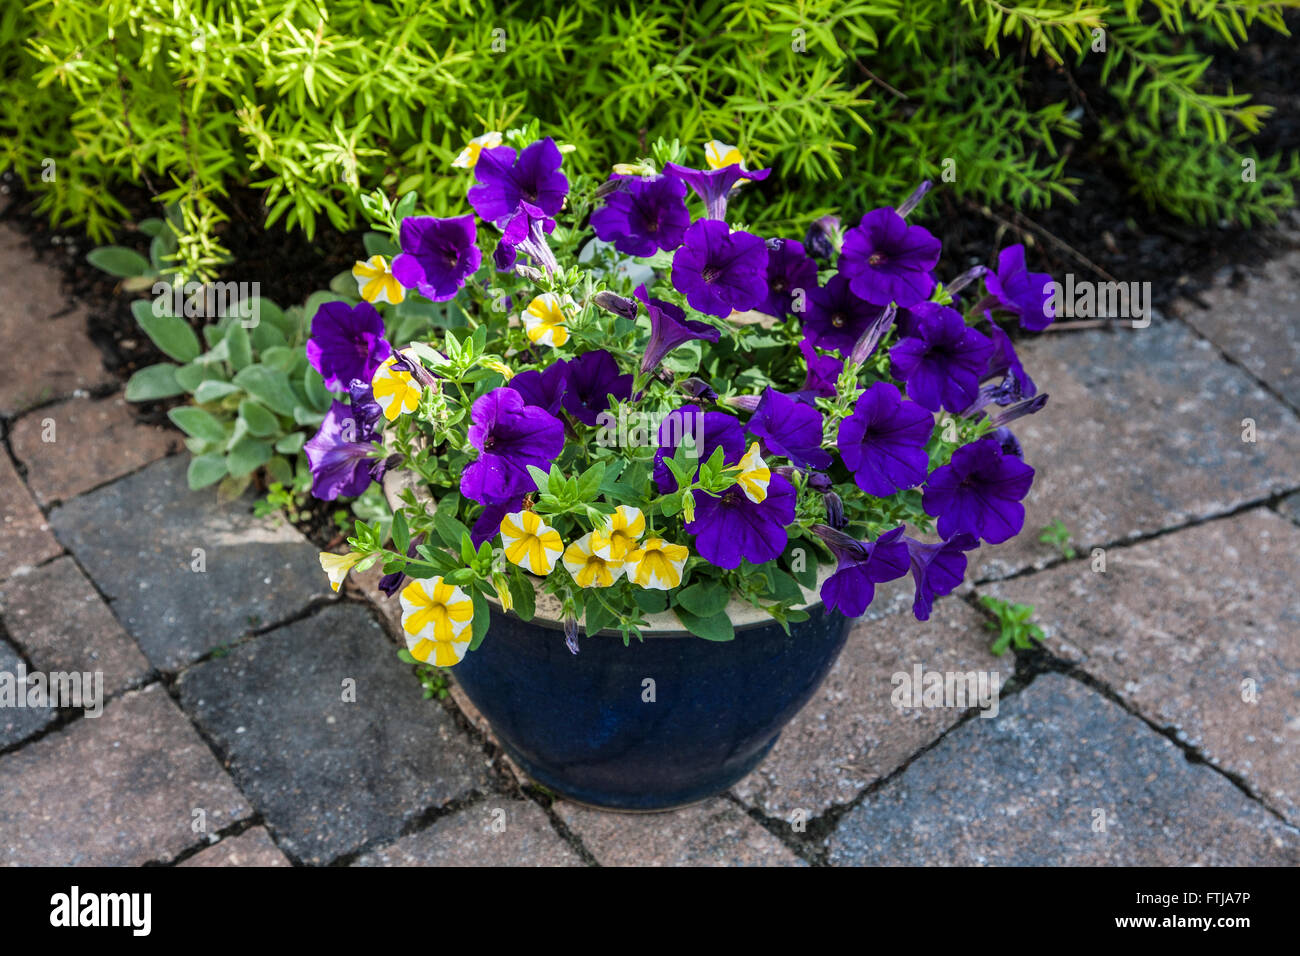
[
  {"x": 173, "y": 336},
  {"x": 522, "y": 594},
  {"x": 379, "y": 245},
  {"x": 401, "y": 532},
  {"x": 118, "y": 261},
  {"x": 481, "y": 620},
  {"x": 269, "y": 386},
  {"x": 260, "y": 421},
  {"x": 247, "y": 455},
  {"x": 596, "y": 617},
  {"x": 154, "y": 382},
  {"x": 291, "y": 444},
  {"x": 279, "y": 469},
  {"x": 450, "y": 530},
  {"x": 714, "y": 628},
  {"x": 212, "y": 390},
  {"x": 238, "y": 346},
  {"x": 205, "y": 470},
  {"x": 198, "y": 423},
  {"x": 313, "y": 384},
  {"x": 704, "y": 598},
  {"x": 651, "y": 600}
]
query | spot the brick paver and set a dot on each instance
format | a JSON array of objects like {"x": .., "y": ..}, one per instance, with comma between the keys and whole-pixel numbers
[
  {"x": 253, "y": 847},
  {"x": 498, "y": 832},
  {"x": 25, "y": 537},
  {"x": 17, "y": 722}
]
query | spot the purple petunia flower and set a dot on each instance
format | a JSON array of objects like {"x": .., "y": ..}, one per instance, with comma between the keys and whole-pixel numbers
[
  {"x": 525, "y": 233},
  {"x": 488, "y": 525},
  {"x": 836, "y": 317},
  {"x": 1027, "y": 294},
  {"x": 937, "y": 569},
  {"x": 669, "y": 328},
  {"x": 645, "y": 215},
  {"x": 720, "y": 271},
  {"x": 437, "y": 256},
  {"x": 887, "y": 260},
  {"x": 883, "y": 441},
  {"x": 860, "y": 566},
  {"x": 591, "y": 378},
  {"x": 341, "y": 455},
  {"x": 729, "y": 527},
  {"x": 1005, "y": 362},
  {"x": 709, "y": 430},
  {"x": 544, "y": 389},
  {"x": 347, "y": 342},
  {"x": 713, "y": 185},
  {"x": 979, "y": 492},
  {"x": 390, "y": 584},
  {"x": 943, "y": 363},
  {"x": 1007, "y": 441},
  {"x": 791, "y": 429},
  {"x": 791, "y": 278},
  {"x": 510, "y": 436},
  {"x": 821, "y": 237},
  {"x": 365, "y": 409},
  {"x": 533, "y": 180},
  {"x": 823, "y": 373}
]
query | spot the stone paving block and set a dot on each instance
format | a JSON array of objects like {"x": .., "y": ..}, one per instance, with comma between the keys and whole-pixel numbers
[
  {"x": 25, "y": 537},
  {"x": 91, "y": 441},
  {"x": 1257, "y": 324},
  {"x": 1026, "y": 789},
  {"x": 41, "y": 357},
  {"x": 18, "y": 723},
  {"x": 850, "y": 734},
  {"x": 1290, "y": 507},
  {"x": 117, "y": 790},
  {"x": 713, "y": 833},
  {"x": 55, "y": 615},
  {"x": 498, "y": 832},
  {"x": 1185, "y": 626},
  {"x": 1142, "y": 432},
  {"x": 137, "y": 537},
  {"x": 331, "y": 775},
  {"x": 251, "y": 848}
]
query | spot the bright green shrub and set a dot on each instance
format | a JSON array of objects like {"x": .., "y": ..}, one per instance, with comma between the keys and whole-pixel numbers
[{"x": 190, "y": 97}]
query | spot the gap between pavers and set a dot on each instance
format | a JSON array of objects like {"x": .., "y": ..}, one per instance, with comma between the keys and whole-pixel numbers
[
  {"x": 253, "y": 847},
  {"x": 25, "y": 536}
]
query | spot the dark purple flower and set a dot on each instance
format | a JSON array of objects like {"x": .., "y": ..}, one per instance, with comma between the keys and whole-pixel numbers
[
  {"x": 823, "y": 372},
  {"x": 525, "y": 233},
  {"x": 883, "y": 441},
  {"x": 887, "y": 260},
  {"x": 860, "y": 566},
  {"x": 510, "y": 436},
  {"x": 979, "y": 492},
  {"x": 1030, "y": 406},
  {"x": 365, "y": 409},
  {"x": 1006, "y": 363},
  {"x": 533, "y": 180},
  {"x": 1027, "y": 294},
  {"x": 729, "y": 527},
  {"x": 592, "y": 377},
  {"x": 709, "y": 430},
  {"x": 821, "y": 237},
  {"x": 544, "y": 389},
  {"x": 698, "y": 390},
  {"x": 1007, "y": 441},
  {"x": 866, "y": 345},
  {"x": 943, "y": 363},
  {"x": 341, "y": 455},
  {"x": 669, "y": 328},
  {"x": 644, "y": 216},
  {"x": 347, "y": 342},
  {"x": 488, "y": 525},
  {"x": 438, "y": 255},
  {"x": 713, "y": 185},
  {"x": 791, "y": 278},
  {"x": 831, "y": 501},
  {"x": 615, "y": 304},
  {"x": 720, "y": 271},
  {"x": 937, "y": 569},
  {"x": 791, "y": 429},
  {"x": 837, "y": 318},
  {"x": 390, "y": 584}
]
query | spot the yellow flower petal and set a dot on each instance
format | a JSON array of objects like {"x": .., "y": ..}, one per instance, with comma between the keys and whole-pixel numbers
[
  {"x": 395, "y": 391},
  {"x": 546, "y": 317},
  {"x": 436, "y": 621},
  {"x": 720, "y": 155},
  {"x": 468, "y": 157},
  {"x": 337, "y": 566},
  {"x": 591, "y": 569},
  {"x": 754, "y": 475},
  {"x": 657, "y": 564},
  {"x": 621, "y": 534},
  {"x": 376, "y": 283},
  {"x": 530, "y": 542}
]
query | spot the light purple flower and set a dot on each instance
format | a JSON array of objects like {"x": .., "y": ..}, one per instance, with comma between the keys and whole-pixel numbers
[
  {"x": 533, "y": 180},
  {"x": 341, "y": 455},
  {"x": 713, "y": 185}
]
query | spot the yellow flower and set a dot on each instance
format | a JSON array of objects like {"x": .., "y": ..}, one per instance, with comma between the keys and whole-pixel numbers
[
  {"x": 621, "y": 533},
  {"x": 634, "y": 169},
  {"x": 545, "y": 318},
  {"x": 657, "y": 564},
  {"x": 395, "y": 391},
  {"x": 436, "y": 619},
  {"x": 375, "y": 281},
  {"x": 754, "y": 475},
  {"x": 497, "y": 365},
  {"x": 468, "y": 157},
  {"x": 720, "y": 155},
  {"x": 530, "y": 542},
  {"x": 589, "y": 567},
  {"x": 337, "y": 566}
]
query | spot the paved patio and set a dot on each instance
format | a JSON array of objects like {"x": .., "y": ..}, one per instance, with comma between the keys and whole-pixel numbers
[{"x": 1159, "y": 725}]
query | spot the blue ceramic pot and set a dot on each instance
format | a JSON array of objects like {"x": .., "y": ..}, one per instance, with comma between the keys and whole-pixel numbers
[{"x": 583, "y": 727}]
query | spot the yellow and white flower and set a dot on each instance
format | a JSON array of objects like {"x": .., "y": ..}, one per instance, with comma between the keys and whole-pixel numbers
[
  {"x": 436, "y": 619},
  {"x": 634, "y": 169},
  {"x": 754, "y": 475},
  {"x": 720, "y": 155},
  {"x": 589, "y": 567},
  {"x": 657, "y": 564},
  {"x": 337, "y": 566},
  {"x": 621, "y": 534},
  {"x": 395, "y": 391},
  {"x": 376, "y": 283},
  {"x": 468, "y": 157},
  {"x": 530, "y": 542},
  {"x": 546, "y": 317}
]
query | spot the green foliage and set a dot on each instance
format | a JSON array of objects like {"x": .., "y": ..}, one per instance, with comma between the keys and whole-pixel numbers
[
  {"x": 1057, "y": 535},
  {"x": 319, "y": 105},
  {"x": 1012, "y": 623},
  {"x": 433, "y": 679}
]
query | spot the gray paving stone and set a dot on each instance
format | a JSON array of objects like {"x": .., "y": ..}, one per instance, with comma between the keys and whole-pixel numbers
[
  {"x": 713, "y": 833},
  {"x": 251, "y": 848},
  {"x": 1257, "y": 323},
  {"x": 1142, "y": 432},
  {"x": 18, "y": 723},
  {"x": 118, "y": 790},
  {"x": 55, "y": 615},
  {"x": 1290, "y": 507},
  {"x": 850, "y": 734},
  {"x": 499, "y": 832},
  {"x": 331, "y": 775},
  {"x": 137, "y": 538},
  {"x": 25, "y": 538},
  {"x": 1198, "y": 630},
  {"x": 1028, "y": 789}
]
